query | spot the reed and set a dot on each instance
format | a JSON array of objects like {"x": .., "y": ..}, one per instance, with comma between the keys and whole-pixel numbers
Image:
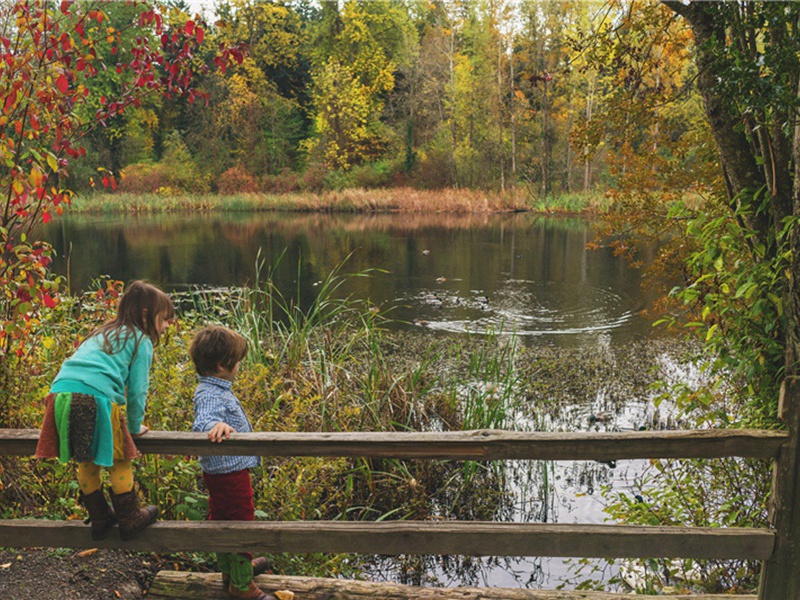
[{"x": 408, "y": 200}]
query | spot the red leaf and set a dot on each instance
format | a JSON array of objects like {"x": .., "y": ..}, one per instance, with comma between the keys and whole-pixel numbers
[
  {"x": 199, "y": 35},
  {"x": 10, "y": 100},
  {"x": 106, "y": 182},
  {"x": 63, "y": 84},
  {"x": 189, "y": 27},
  {"x": 48, "y": 300},
  {"x": 46, "y": 217}
]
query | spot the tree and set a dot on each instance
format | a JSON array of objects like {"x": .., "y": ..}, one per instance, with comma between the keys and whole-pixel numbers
[
  {"x": 748, "y": 74},
  {"x": 256, "y": 111},
  {"x": 355, "y": 55},
  {"x": 49, "y": 59}
]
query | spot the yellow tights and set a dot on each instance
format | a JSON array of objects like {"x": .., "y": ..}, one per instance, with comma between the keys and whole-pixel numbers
[{"x": 121, "y": 476}]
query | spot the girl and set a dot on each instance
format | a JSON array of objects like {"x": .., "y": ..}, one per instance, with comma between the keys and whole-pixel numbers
[{"x": 96, "y": 404}]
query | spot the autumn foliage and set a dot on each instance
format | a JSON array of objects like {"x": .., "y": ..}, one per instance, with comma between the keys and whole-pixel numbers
[{"x": 50, "y": 53}]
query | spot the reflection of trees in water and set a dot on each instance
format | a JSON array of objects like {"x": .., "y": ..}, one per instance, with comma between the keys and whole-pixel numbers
[
  {"x": 221, "y": 249},
  {"x": 452, "y": 571}
]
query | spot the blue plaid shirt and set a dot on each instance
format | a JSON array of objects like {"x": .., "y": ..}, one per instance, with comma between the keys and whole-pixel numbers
[{"x": 214, "y": 402}]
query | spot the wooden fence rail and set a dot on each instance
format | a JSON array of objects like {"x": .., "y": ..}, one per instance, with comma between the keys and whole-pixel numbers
[
  {"x": 469, "y": 538},
  {"x": 430, "y": 537},
  {"x": 482, "y": 444}
]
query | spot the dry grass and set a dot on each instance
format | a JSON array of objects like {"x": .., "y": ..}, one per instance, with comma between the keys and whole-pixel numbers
[{"x": 351, "y": 200}]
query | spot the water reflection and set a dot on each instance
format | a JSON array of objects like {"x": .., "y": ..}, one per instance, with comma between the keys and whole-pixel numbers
[{"x": 439, "y": 272}]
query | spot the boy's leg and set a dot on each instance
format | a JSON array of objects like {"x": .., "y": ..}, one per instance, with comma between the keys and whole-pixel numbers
[
  {"x": 231, "y": 499},
  {"x": 224, "y": 566},
  {"x": 241, "y": 571}
]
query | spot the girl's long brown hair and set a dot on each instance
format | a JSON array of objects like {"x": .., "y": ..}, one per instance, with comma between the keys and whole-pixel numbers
[{"x": 138, "y": 308}]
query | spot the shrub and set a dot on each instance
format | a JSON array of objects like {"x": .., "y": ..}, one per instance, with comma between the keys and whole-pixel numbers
[
  {"x": 237, "y": 180},
  {"x": 373, "y": 175},
  {"x": 314, "y": 177},
  {"x": 143, "y": 178},
  {"x": 282, "y": 183}
]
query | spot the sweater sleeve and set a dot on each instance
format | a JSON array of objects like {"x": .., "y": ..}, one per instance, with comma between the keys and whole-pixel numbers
[{"x": 138, "y": 384}]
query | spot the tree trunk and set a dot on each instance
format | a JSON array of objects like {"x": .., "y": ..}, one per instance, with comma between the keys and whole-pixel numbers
[
  {"x": 735, "y": 151},
  {"x": 513, "y": 120},
  {"x": 738, "y": 155},
  {"x": 545, "y": 139},
  {"x": 779, "y": 575}
]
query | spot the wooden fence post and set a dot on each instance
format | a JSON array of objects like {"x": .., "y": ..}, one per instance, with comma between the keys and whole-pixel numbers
[{"x": 780, "y": 575}]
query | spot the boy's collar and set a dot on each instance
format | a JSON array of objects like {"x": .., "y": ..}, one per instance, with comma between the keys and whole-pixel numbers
[{"x": 218, "y": 381}]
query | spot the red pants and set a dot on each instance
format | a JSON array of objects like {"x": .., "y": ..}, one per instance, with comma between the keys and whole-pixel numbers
[{"x": 230, "y": 498}]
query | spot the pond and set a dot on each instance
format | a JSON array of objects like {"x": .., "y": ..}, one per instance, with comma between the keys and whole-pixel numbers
[
  {"x": 438, "y": 274},
  {"x": 454, "y": 273}
]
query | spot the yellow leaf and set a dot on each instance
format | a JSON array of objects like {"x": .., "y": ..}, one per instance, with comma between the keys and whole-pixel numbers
[
  {"x": 48, "y": 343},
  {"x": 284, "y": 595},
  {"x": 88, "y": 552},
  {"x": 5, "y": 566},
  {"x": 52, "y": 162}
]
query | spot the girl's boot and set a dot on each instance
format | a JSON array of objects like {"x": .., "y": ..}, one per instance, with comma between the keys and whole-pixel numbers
[
  {"x": 131, "y": 518},
  {"x": 101, "y": 516}
]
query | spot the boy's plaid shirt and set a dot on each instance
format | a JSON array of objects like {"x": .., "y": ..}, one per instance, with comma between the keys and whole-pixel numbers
[{"x": 214, "y": 402}]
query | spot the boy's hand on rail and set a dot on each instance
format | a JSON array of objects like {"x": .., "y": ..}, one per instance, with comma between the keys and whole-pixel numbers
[
  {"x": 142, "y": 430},
  {"x": 220, "y": 431}
]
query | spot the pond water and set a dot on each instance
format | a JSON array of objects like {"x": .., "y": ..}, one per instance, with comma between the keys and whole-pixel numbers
[
  {"x": 438, "y": 273},
  {"x": 455, "y": 273}
]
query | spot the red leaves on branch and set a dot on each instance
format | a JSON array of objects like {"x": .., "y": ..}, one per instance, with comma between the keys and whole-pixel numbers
[
  {"x": 48, "y": 59},
  {"x": 63, "y": 84}
]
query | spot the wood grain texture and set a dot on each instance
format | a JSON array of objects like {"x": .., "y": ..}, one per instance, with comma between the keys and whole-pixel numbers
[
  {"x": 474, "y": 538},
  {"x": 484, "y": 444},
  {"x": 174, "y": 585}
]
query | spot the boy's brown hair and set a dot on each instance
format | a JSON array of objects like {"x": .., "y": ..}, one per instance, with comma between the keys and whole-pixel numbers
[{"x": 215, "y": 347}]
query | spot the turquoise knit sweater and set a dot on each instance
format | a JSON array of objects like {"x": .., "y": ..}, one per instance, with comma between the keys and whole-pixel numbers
[{"x": 122, "y": 378}]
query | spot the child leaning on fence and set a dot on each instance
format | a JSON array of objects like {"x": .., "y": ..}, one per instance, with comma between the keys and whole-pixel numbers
[
  {"x": 97, "y": 403},
  {"x": 216, "y": 352}
]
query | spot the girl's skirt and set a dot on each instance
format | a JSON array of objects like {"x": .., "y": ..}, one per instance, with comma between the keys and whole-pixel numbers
[{"x": 74, "y": 427}]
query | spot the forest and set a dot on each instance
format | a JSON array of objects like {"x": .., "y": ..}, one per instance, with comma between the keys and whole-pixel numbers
[
  {"x": 682, "y": 114},
  {"x": 550, "y": 97}
]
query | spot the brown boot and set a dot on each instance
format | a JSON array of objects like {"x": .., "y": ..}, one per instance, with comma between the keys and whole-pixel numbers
[
  {"x": 101, "y": 516},
  {"x": 251, "y": 593},
  {"x": 131, "y": 518}
]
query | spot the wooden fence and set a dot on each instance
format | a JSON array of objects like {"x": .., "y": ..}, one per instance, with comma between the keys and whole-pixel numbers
[{"x": 431, "y": 537}]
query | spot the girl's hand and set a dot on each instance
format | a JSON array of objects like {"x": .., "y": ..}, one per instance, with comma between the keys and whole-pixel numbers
[
  {"x": 142, "y": 430},
  {"x": 220, "y": 431}
]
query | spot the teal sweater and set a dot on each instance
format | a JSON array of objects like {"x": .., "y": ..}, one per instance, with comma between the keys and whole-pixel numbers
[{"x": 122, "y": 378}]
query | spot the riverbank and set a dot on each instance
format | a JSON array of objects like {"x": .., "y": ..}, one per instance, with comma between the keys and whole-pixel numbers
[{"x": 346, "y": 201}]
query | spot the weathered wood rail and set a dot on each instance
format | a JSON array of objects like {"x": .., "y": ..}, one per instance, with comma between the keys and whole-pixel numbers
[
  {"x": 172, "y": 585},
  {"x": 482, "y": 444},
  {"x": 429, "y": 537}
]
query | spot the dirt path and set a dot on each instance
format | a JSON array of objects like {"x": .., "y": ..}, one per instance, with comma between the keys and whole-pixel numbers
[{"x": 60, "y": 574}]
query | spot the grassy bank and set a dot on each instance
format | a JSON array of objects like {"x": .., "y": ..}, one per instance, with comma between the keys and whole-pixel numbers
[{"x": 351, "y": 200}]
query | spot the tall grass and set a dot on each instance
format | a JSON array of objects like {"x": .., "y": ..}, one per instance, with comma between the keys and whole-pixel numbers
[{"x": 345, "y": 201}]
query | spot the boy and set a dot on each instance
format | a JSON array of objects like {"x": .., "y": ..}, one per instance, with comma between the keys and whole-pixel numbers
[{"x": 216, "y": 353}]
